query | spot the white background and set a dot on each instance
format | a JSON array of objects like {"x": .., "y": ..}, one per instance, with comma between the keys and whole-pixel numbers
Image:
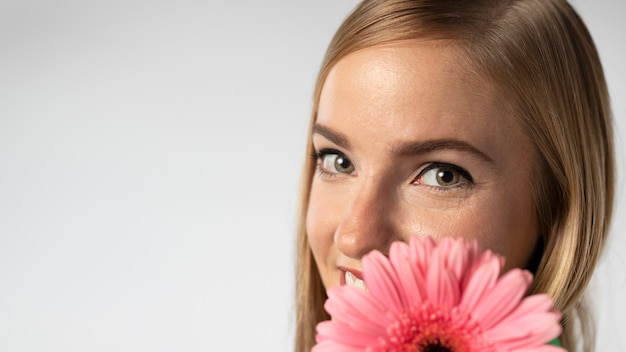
[{"x": 149, "y": 158}]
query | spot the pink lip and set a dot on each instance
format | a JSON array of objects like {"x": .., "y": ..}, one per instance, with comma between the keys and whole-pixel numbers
[{"x": 342, "y": 277}]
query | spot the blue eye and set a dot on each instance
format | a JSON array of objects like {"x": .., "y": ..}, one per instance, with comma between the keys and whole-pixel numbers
[
  {"x": 334, "y": 162},
  {"x": 444, "y": 175}
]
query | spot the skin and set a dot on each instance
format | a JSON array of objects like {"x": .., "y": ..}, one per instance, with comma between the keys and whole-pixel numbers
[{"x": 410, "y": 142}]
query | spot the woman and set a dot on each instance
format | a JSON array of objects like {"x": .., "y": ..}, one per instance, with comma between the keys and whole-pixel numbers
[{"x": 485, "y": 119}]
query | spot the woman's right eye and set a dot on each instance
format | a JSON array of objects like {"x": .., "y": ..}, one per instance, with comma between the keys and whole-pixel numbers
[{"x": 334, "y": 162}]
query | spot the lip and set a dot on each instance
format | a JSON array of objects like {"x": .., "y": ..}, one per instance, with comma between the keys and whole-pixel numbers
[{"x": 342, "y": 277}]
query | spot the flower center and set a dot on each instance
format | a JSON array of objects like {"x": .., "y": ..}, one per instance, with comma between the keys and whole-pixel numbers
[
  {"x": 433, "y": 344},
  {"x": 436, "y": 348},
  {"x": 427, "y": 331}
]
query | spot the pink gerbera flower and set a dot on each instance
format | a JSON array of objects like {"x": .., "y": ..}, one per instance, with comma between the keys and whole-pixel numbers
[{"x": 430, "y": 297}]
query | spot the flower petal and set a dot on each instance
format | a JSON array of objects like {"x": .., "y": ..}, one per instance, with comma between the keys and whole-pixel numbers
[
  {"x": 332, "y": 346},
  {"x": 410, "y": 280},
  {"x": 534, "y": 330},
  {"x": 356, "y": 308},
  {"x": 481, "y": 281},
  {"x": 535, "y": 304},
  {"x": 381, "y": 280},
  {"x": 503, "y": 298},
  {"x": 344, "y": 334},
  {"x": 442, "y": 287},
  {"x": 544, "y": 348},
  {"x": 420, "y": 249},
  {"x": 457, "y": 258}
]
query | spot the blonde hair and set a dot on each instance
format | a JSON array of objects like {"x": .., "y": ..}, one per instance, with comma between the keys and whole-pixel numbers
[{"x": 541, "y": 56}]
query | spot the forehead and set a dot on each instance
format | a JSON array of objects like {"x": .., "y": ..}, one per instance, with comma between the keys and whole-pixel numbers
[
  {"x": 414, "y": 89},
  {"x": 400, "y": 63}
]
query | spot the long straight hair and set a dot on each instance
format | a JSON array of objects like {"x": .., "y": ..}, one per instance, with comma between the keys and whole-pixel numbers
[{"x": 540, "y": 55}]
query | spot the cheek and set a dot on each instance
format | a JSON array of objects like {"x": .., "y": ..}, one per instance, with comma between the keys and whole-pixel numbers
[
  {"x": 320, "y": 231},
  {"x": 507, "y": 227},
  {"x": 502, "y": 220}
]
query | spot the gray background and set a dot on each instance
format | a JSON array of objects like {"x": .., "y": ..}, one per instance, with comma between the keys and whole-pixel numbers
[{"x": 149, "y": 157}]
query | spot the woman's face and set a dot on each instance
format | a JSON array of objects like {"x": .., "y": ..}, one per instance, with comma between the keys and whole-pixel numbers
[{"x": 409, "y": 143}]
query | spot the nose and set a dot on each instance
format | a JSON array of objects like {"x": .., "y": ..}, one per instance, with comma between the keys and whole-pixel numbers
[{"x": 369, "y": 221}]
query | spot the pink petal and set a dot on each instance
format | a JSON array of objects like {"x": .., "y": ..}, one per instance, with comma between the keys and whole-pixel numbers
[
  {"x": 420, "y": 249},
  {"x": 529, "y": 305},
  {"x": 502, "y": 299},
  {"x": 535, "y": 330},
  {"x": 344, "y": 334},
  {"x": 473, "y": 251},
  {"x": 457, "y": 258},
  {"x": 382, "y": 281},
  {"x": 544, "y": 348},
  {"x": 443, "y": 290},
  {"x": 417, "y": 263},
  {"x": 532, "y": 305},
  {"x": 332, "y": 346},
  {"x": 354, "y": 307},
  {"x": 536, "y": 302},
  {"x": 480, "y": 282},
  {"x": 410, "y": 282},
  {"x": 533, "y": 320},
  {"x": 445, "y": 244}
]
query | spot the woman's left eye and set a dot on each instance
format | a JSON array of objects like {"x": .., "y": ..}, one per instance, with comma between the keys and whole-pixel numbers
[
  {"x": 444, "y": 176},
  {"x": 332, "y": 162}
]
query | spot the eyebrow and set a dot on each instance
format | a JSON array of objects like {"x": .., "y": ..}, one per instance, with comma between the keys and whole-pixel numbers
[
  {"x": 338, "y": 138},
  {"x": 412, "y": 148},
  {"x": 407, "y": 148}
]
